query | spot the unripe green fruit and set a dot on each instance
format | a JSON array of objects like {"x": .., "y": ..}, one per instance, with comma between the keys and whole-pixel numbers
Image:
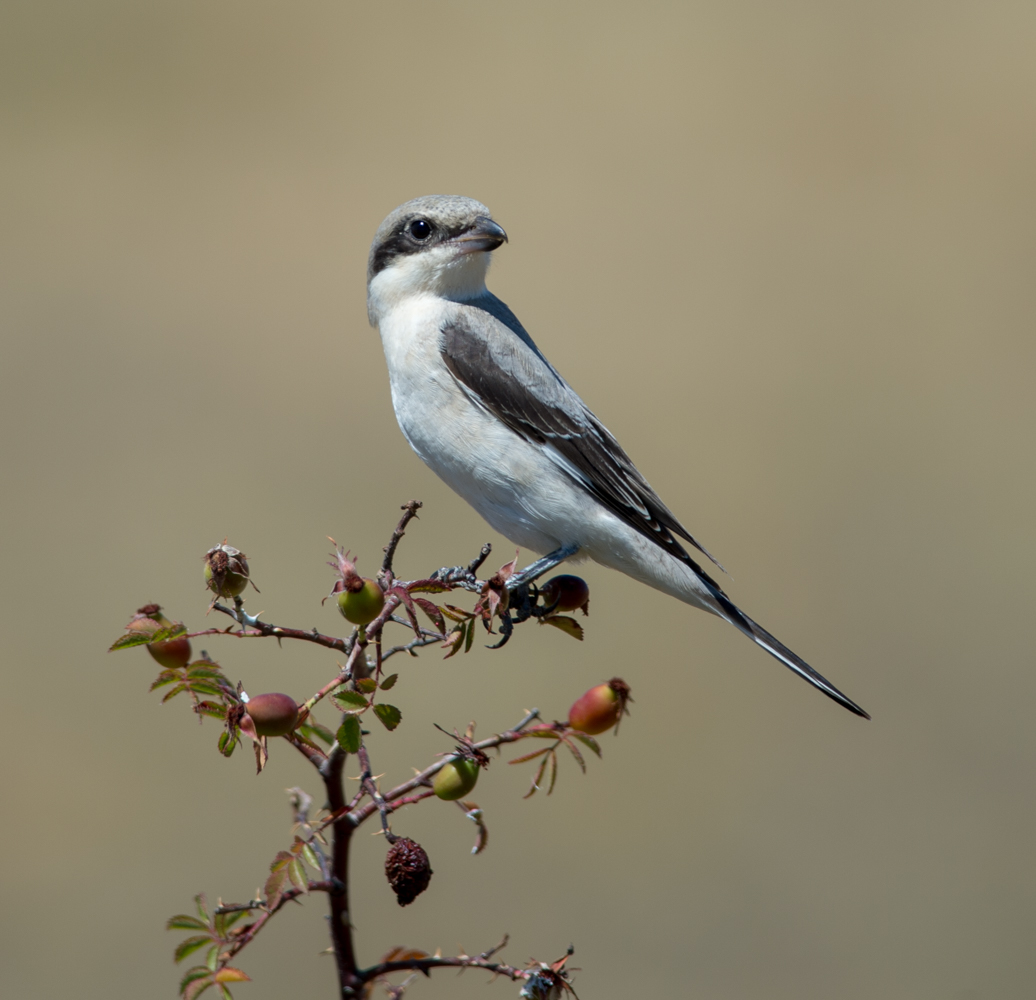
[
  {"x": 363, "y": 605},
  {"x": 600, "y": 708},
  {"x": 233, "y": 583},
  {"x": 456, "y": 779},
  {"x": 569, "y": 591},
  {"x": 273, "y": 714},
  {"x": 171, "y": 653}
]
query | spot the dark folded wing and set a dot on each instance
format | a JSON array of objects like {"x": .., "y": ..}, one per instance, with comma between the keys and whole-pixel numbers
[{"x": 514, "y": 383}]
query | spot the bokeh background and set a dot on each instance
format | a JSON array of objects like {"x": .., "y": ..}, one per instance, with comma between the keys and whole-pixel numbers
[{"x": 786, "y": 252}]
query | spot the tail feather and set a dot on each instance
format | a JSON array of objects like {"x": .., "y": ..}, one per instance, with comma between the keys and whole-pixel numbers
[{"x": 780, "y": 652}]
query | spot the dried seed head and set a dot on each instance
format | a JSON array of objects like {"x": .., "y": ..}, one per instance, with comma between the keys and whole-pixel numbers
[
  {"x": 226, "y": 571},
  {"x": 407, "y": 870}
]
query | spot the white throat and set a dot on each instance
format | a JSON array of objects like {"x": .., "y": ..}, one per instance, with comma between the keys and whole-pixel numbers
[{"x": 439, "y": 271}]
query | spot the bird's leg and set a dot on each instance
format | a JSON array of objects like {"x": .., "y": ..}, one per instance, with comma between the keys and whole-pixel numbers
[
  {"x": 543, "y": 565},
  {"x": 522, "y": 603}
]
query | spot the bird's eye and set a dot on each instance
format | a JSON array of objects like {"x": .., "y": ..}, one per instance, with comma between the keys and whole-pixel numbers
[{"x": 420, "y": 229}]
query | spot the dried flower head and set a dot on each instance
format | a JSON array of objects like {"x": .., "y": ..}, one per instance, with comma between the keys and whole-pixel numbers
[{"x": 407, "y": 869}]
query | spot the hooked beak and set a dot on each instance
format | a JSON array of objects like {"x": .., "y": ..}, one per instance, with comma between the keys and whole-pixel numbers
[{"x": 484, "y": 235}]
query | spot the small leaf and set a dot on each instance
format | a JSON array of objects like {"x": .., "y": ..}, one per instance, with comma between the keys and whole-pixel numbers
[
  {"x": 166, "y": 677},
  {"x": 347, "y": 700},
  {"x": 212, "y": 958},
  {"x": 230, "y": 975},
  {"x": 455, "y": 614},
  {"x": 196, "y": 988},
  {"x": 175, "y": 691},
  {"x": 130, "y": 639},
  {"x": 541, "y": 733},
  {"x": 182, "y": 922},
  {"x": 211, "y": 708},
  {"x": 567, "y": 625},
  {"x": 536, "y": 780},
  {"x": 311, "y": 729},
  {"x": 203, "y": 909},
  {"x": 190, "y": 945},
  {"x": 205, "y": 687},
  {"x": 297, "y": 874},
  {"x": 575, "y": 753},
  {"x": 470, "y": 637},
  {"x": 262, "y": 755},
  {"x": 529, "y": 756},
  {"x": 553, "y": 770},
  {"x": 311, "y": 856},
  {"x": 429, "y": 587},
  {"x": 456, "y": 638},
  {"x": 389, "y": 682},
  {"x": 172, "y": 631},
  {"x": 274, "y": 887},
  {"x": 400, "y": 954},
  {"x": 203, "y": 669},
  {"x": 198, "y": 972},
  {"x": 389, "y": 715},
  {"x": 227, "y": 743},
  {"x": 367, "y": 684},
  {"x": 348, "y": 734},
  {"x": 588, "y": 741},
  {"x": 433, "y": 612}
]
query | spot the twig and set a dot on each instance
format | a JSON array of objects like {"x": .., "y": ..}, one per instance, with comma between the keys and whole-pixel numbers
[
  {"x": 367, "y": 781},
  {"x": 410, "y": 509},
  {"x": 247, "y": 621},
  {"x": 358, "y": 815},
  {"x": 482, "y": 961},
  {"x": 412, "y": 645}
]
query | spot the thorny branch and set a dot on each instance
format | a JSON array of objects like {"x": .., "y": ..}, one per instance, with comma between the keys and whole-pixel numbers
[{"x": 345, "y": 817}]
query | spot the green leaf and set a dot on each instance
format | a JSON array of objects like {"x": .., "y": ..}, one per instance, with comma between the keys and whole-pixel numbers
[
  {"x": 229, "y": 975},
  {"x": 389, "y": 682},
  {"x": 203, "y": 669},
  {"x": 205, "y": 687},
  {"x": 174, "y": 692},
  {"x": 193, "y": 974},
  {"x": 348, "y": 734},
  {"x": 311, "y": 856},
  {"x": 166, "y": 677},
  {"x": 389, "y": 715},
  {"x": 588, "y": 741},
  {"x": 367, "y": 684},
  {"x": 348, "y": 701},
  {"x": 203, "y": 909},
  {"x": 429, "y": 586},
  {"x": 198, "y": 986},
  {"x": 470, "y": 636},
  {"x": 297, "y": 874},
  {"x": 190, "y": 945},
  {"x": 170, "y": 632},
  {"x": 542, "y": 733},
  {"x": 130, "y": 639},
  {"x": 182, "y": 922},
  {"x": 227, "y": 743},
  {"x": 224, "y": 993},
  {"x": 212, "y": 958},
  {"x": 311, "y": 729},
  {"x": 211, "y": 708},
  {"x": 567, "y": 625}
]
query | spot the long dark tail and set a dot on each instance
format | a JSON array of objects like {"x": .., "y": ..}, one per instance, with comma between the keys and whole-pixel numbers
[{"x": 779, "y": 651}]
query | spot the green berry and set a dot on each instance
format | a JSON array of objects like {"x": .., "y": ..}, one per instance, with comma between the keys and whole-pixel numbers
[
  {"x": 362, "y": 605},
  {"x": 456, "y": 779}
]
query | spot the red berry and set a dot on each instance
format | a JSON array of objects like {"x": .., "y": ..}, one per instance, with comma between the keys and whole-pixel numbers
[
  {"x": 600, "y": 708},
  {"x": 570, "y": 592},
  {"x": 171, "y": 653},
  {"x": 456, "y": 779},
  {"x": 273, "y": 714},
  {"x": 361, "y": 601}
]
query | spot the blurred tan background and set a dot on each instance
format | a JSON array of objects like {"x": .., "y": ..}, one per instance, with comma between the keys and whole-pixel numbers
[{"x": 786, "y": 252}]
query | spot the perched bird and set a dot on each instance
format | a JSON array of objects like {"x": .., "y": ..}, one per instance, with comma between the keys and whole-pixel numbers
[{"x": 488, "y": 413}]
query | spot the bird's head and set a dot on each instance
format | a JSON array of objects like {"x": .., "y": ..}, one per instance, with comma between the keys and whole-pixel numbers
[{"x": 438, "y": 244}]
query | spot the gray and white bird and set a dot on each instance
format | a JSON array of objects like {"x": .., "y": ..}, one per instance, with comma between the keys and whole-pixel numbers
[{"x": 488, "y": 413}]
